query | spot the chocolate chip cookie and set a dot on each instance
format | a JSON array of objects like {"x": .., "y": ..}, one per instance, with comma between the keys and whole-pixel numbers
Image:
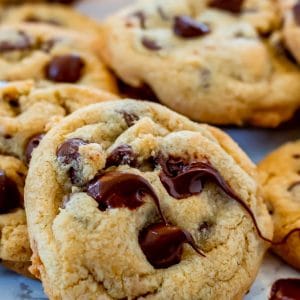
[
  {"x": 210, "y": 60},
  {"x": 280, "y": 175},
  {"x": 51, "y": 55},
  {"x": 128, "y": 199},
  {"x": 56, "y": 15},
  {"x": 26, "y": 114}
]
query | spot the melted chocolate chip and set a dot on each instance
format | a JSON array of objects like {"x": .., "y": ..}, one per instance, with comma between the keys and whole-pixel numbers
[
  {"x": 286, "y": 289},
  {"x": 296, "y": 156},
  {"x": 151, "y": 44},
  {"x": 118, "y": 189},
  {"x": 183, "y": 179},
  {"x": 143, "y": 92},
  {"x": 122, "y": 155},
  {"x": 142, "y": 18},
  {"x": 21, "y": 43},
  {"x": 31, "y": 145},
  {"x": 296, "y": 12},
  {"x": 35, "y": 19},
  {"x": 130, "y": 118},
  {"x": 68, "y": 151},
  {"x": 163, "y": 244},
  {"x": 186, "y": 27},
  {"x": 234, "y": 6},
  {"x": 10, "y": 197},
  {"x": 65, "y": 68}
]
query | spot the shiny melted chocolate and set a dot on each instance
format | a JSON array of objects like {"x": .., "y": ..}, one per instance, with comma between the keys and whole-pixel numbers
[
  {"x": 120, "y": 189},
  {"x": 10, "y": 197},
  {"x": 286, "y": 289},
  {"x": 234, "y": 6},
  {"x": 122, "y": 155},
  {"x": 162, "y": 244}
]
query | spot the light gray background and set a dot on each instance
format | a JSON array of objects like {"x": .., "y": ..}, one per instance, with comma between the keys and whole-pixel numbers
[{"x": 257, "y": 143}]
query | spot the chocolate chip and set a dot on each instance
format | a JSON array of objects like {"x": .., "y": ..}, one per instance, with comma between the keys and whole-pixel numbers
[
  {"x": 130, "y": 118},
  {"x": 234, "y": 6},
  {"x": 122, "y": 155},
  {"x": 35, "y": 19},
  {"x": 151, "y": 44},
  {"x": 296, "y": 12},
  {"x": 288, "y": 289},
  {"x": 163, "y": 244},
  {"x": 142, "y": 92},
  {"x": 8, "y": 136},
  {"x": 31, "y": 145},
  {"x": 186, "y": 27},
  {"x": 10, "y": 197},
  {"x": 68, "y": 151},
  {"x": 14, "y": 103},
  {"x": 68, "y": 154},
  {"x": 65, "y": 68},
  {"x": 21, "y": 42},
  {"x": 118, "y": 189},
  {"x": 141, "y": 17},
  {"x": 296, "y": 156}
]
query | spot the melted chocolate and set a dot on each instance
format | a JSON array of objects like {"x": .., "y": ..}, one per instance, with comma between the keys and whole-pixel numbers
[
  {"x": 162, "y": 244},
  {"x": 286, "y": 289},
  {"x": 10, "y": 197},
  {"x": 68, "y": 151},
  {"x": 31, "y": 145},
  {"x": 122, "y": 155},
  {"x": 234, "y": 6},
  {"x": 118, "y": 189},
  {"x": 65, "y": 68},
  {"x": 182, "y": 179},
  {"x": 21, "y": 43},
  {"x": 296, "y": 12},
  {"x": 186, "y": 27},
  {"x": 151, "y": 44}
]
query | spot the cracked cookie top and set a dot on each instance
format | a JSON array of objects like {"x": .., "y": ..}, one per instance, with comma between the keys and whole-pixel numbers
[
  {"x": 128, "y": 199},
  {"x": 210, "y": 60},
  {"x": 280, "y": 176},
  {"x": 50, "y": 55}
]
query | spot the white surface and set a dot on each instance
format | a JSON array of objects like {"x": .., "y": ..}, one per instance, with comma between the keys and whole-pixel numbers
[{"x": 255, "y": 142}]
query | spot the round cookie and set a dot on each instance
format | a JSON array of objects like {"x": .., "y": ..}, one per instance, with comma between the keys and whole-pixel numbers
[
  {"x": 26, "y": 114},
  {"x": 57, "y": 15},
  {"x": 208, "y": 63},
  {"x": 128, "y": 199},
  {"x": 280, "y": 178},
  {"x": 51, "y": 55}
]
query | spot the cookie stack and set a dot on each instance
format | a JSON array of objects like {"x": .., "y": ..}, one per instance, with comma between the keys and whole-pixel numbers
[{"x": 127, "y": 199}]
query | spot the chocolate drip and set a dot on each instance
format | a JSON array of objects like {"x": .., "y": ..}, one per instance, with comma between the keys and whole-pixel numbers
[
  {"x": 234, "y": 6},
  {"x": 10, "y": 197},
  {"x": 162, "y": 244},
  {"x": 186, "y": 27},
  {"x": 182, "y": 179},
  {"x": 118, "y": 189},
  {"x": 122, "y": 155},
  {"x": 286, "y": 289}
]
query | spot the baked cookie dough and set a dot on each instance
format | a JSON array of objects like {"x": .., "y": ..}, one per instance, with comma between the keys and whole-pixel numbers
[
  {"x": 209, "y": 60},
  {"x": 56, "y": 15},
  {"x": 129, "y": 200},
  {"x": 51, "y": 55},
  {"x": 26, "y": 114},
  {"x": 280, "y": 176}
]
